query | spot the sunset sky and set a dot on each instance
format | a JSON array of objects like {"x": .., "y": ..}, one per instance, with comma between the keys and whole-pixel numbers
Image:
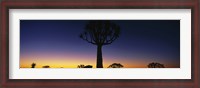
[{"x": 56, "y": 43}]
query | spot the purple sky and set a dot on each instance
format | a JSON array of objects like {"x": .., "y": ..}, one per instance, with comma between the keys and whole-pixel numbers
[{"x": 57, "y": 43}]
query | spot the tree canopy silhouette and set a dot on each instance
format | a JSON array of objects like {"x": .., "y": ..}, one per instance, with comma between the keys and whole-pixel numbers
[
  {"x": 100, "y": 33},
  {"x": 155, "y": 65},
  {"x": 116, "y": 65},
  {"x": 33, "y": 65}
]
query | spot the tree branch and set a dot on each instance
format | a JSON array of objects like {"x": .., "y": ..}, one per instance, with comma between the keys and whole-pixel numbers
[{"x": 84, "y": 37}]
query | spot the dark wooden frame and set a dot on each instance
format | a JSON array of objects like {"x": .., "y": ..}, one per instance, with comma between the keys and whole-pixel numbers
[{"x": 103, "y": 4}]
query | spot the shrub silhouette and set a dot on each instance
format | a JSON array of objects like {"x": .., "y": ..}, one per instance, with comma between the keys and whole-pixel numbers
[
  {"x": 116, "y": 65},
  {"x": 33, "y": 65},
  {"x": 88, "y": 66},
  {"x": 46, "y": 66},
  {"x": 155, "y": 65},
  {"x": 83, "y": 66},
  {"x": 100, "y": 33}
]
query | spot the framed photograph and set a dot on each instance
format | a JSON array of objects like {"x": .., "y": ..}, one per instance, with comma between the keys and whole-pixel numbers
[{"x": 144, "y": 44}]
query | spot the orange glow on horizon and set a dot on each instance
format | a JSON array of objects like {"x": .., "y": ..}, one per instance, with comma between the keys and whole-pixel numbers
[{"x": 72, "y": 61}]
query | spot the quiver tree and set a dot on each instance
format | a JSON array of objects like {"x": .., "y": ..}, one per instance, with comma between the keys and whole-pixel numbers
[
  {"x": 33, "y": 65},
  {"x": 116, "y": 65},
  {"x": 155, "y": 65},
  {"x": 100, "y": 33}
]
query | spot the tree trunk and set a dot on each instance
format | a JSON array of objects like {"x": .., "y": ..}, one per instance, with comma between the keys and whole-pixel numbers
[{"x": 99, "y": 57}]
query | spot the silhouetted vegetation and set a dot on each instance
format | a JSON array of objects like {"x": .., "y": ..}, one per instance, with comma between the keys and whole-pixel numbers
[
  {"x": 33, "y": 65},
  {"x": 83, "y": 66},
  {"x": 155, "y": 65},
  {"x": 88, "y": 66},
  {"x": 100, "y": 33},
  {"x": 116, "y": 65},
  {"x": 46, "y": 66}
]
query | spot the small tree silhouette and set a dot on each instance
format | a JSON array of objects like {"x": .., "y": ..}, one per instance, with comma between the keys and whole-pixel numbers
[
  {"x": 33, "y": 65},
  {"x": 116, "y": 65},
  {"x": 88, "y": 66},
  {"x": 100, "y": 33},
  {"x": 83, "y": 66},
  {"x": 155, "y": 65}
]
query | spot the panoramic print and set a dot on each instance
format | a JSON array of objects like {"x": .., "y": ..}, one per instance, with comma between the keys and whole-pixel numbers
[{"x": 99, "y": 44}]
